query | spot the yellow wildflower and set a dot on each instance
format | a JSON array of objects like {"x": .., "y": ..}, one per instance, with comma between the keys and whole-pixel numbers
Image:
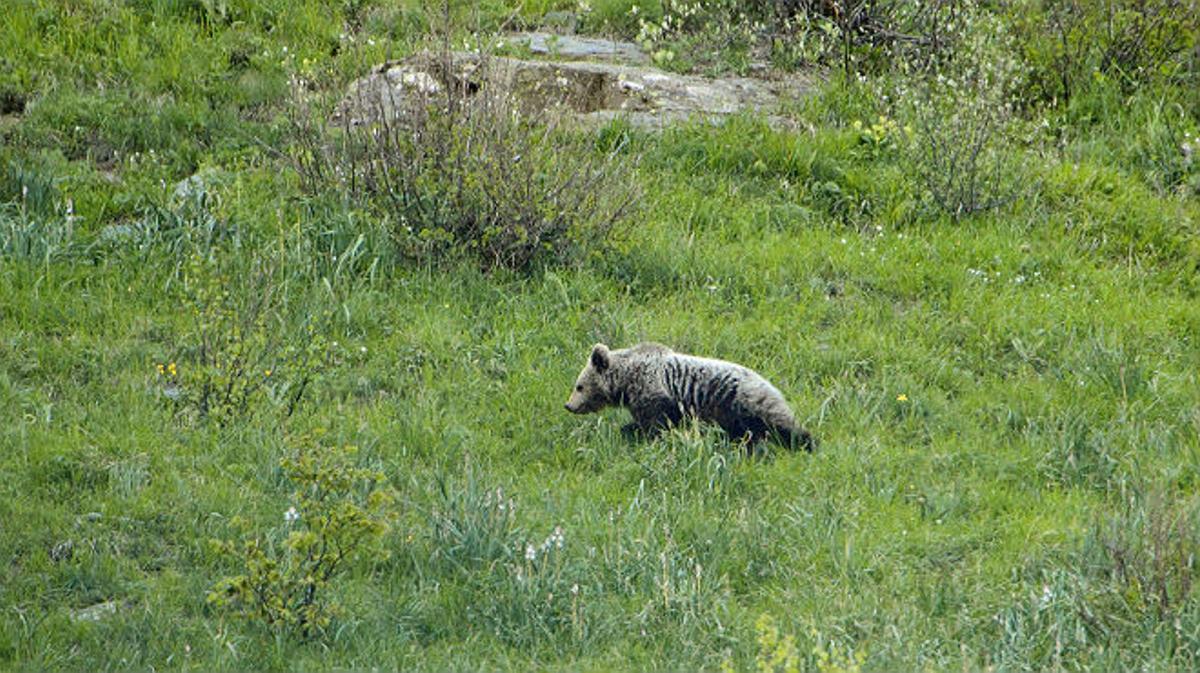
[{"x": 902, "y": 397}]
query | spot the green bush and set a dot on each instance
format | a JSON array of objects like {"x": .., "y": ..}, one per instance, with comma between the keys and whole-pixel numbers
[
  {"x": 467, "y": 171},
  {"x": 241, "y": 350},
  {"x": 1070, "y": 45},
  {"x": 339, "y": 512}
]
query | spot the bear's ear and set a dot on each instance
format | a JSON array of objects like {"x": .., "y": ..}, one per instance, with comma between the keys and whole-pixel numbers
[{"x": 600, "y": 359}]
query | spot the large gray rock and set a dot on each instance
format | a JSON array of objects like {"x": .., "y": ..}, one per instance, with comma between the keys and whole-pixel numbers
[
  {"x": 573, "y": 47},
  {"x": 593, "y": 92}
]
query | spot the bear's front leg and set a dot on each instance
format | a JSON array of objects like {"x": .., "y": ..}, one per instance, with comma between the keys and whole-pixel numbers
[
  {"x": 633, "y": 431},
  {"x": 652, "y": 417}
]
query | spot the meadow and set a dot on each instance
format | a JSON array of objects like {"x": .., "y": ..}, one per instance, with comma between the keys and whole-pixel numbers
[{"x": 1006, "y": 400}]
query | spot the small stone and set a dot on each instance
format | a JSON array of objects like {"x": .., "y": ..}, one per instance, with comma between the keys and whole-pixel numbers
[
  {"x": 570, "y": 47},
  {"x": 94, "y": 613},
  {"x": 63, "y": 551}
]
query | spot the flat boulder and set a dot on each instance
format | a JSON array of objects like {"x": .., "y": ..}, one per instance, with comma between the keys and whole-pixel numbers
[
  {"x": 592, "y": 92},
  {"x": 572, "y": 47}
]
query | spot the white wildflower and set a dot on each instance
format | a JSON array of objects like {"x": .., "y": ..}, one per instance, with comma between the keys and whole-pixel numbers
[{"x": 1047, "y": 596}]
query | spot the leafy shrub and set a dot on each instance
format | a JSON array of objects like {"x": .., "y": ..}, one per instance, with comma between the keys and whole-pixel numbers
[
  {"x": 777, "y": 653},
  {"x": 466, "y": 170},
  {"x": 339, "y": 511},
  {"x": 958, "y": 156},
  {"x": 880, "y": 138},
  {"x": 1065, "y": 43},
  {"x": 687, "y": 34},
  {"x": 856, "y": 35},
  {"x": 1069, "y": 44},
  {"x": 866, "y": 35},
  {"x": 241, "y": 349}
]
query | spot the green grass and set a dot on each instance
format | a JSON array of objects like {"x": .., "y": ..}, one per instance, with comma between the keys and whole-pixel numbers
[{"x": 994, "y": 397}]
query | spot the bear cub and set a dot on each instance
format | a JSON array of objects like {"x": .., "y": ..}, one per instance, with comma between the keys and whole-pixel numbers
[{"x": 661, "y": 388}]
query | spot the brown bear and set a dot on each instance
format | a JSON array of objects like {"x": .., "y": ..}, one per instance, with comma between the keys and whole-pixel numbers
[{"x": 662, "y": 388}]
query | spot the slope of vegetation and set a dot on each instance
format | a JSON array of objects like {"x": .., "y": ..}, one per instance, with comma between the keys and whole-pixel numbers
[{"x": 253, "y": 423}]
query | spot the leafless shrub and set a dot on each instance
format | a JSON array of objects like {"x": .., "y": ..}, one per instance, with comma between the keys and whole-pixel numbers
[
  {"x": 959, "y": 160},
  {"x": 869, "y": 33},
  {"x": 962, "y": 114}
]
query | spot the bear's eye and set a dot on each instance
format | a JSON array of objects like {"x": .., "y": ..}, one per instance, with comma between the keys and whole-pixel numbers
[{"x": 579, "y": 388}]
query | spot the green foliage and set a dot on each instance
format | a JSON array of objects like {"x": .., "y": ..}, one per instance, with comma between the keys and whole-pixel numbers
[
  {"x": 473, "y": 174},
  {"x": 779, "y": 654},
  {"x": 997, "y": 397},
  {"x": 883, "y": 137},
  {"x": 712, "y": 36},
  {"x": 338, "y": 514},
  {"x": 28, "y": 236},
  {"x": 620, "y": 17},
  {"x": 832, "y": 659},
  {"x": 961, "y": 109},
  {"x": 1071, "y": 46},
  {"x": 776, "y": 654},
  {"x": 240, "y": 349}
]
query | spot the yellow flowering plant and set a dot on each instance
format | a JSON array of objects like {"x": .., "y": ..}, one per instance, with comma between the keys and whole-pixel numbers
[{"x": 241, "y": 348}]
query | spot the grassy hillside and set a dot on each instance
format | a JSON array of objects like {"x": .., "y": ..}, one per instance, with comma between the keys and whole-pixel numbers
[{"x": 1007, "y": 401}]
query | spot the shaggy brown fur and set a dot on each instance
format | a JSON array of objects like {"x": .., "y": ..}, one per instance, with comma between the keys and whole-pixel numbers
[{"x": 661, "y": 388}]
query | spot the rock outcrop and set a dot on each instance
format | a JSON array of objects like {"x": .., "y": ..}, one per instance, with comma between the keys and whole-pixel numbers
[{"x": 592, "y": 92}]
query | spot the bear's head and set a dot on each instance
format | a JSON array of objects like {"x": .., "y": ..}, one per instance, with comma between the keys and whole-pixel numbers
[{"x": 593, "y": 388}]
